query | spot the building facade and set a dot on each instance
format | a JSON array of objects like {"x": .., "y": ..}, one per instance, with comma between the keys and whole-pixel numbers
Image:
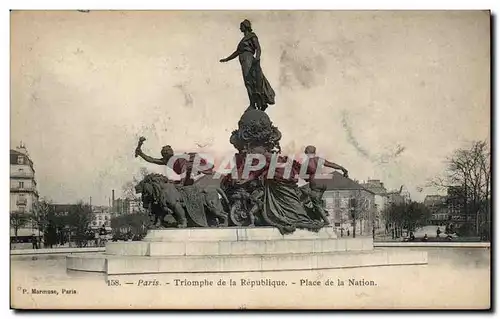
[
  {"x": 381, "y": 200},
  {"x": 101, "y": 216},
  {"x": 23, "y": 186},
  {"x": 126, "y": 206},
  {"x": 398, "y": 197},
  {"x": 438, "y": 207},
  {"x": 338, "y": 200},
  {"x": 457, "y": 206}
]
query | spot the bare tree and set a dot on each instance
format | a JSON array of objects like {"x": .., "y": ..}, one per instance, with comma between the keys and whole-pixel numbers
[
  {"x": 128, "y": 188},
  {"x": 362, "y": 209},
  {"x": 469, "y": 172},
  {"x": 133, "y": 224},
  {"x": 409, "y": 216},
  {"x": 42, "y": 214},
  {"x": 18, "y": 220},
  {"x": 78, "y": 220}
]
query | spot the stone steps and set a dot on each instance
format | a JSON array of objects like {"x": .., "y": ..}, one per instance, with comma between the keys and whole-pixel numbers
[
  {"x": 246, "y": 247},
  {"x": 122, "y": 265},
  {"x": 234, "y": 234},
  {"x": 233, "y": 249}
]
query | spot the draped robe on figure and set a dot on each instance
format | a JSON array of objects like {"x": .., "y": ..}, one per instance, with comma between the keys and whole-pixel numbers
[{"x": 282, "y": 206}]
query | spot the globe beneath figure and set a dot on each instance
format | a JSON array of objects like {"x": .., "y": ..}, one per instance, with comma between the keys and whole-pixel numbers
[{"x": 255, "y": 129}]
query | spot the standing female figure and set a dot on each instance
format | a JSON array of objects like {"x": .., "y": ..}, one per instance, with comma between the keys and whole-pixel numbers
[{"x": 260, "y": 92}]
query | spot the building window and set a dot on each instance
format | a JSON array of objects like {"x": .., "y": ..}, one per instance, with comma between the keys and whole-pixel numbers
[
  {"x": 21, "y": 184},
  {"x": 20, "y": 160},
  {"x": 21, "y": 199}
]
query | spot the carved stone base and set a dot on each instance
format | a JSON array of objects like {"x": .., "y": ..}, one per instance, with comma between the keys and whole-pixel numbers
[
  {"x": 231, "y": 234},
  {"x": 238, "y": 250}
]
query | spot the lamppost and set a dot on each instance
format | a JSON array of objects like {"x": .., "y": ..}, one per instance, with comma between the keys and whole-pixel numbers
[{"x": 352, "y": 208}]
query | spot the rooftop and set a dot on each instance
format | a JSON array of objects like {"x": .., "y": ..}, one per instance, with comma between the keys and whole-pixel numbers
[
  {"x": 375, "y": 186},
  {"x": 14, "y": 154},
  {"x": 434, "y": 199},
  {"x": 337, "y": 181}
]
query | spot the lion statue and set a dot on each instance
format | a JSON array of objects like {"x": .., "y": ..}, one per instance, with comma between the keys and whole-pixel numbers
[{"x": 190, "y": 206}]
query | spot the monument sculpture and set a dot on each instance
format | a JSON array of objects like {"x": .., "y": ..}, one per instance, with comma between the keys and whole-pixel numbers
[
  {"x": 254, "y": 200},
  {"x": 190, "y": 204},
  {"x": 314, "y": 192},
  {"x": 275, "y": 201},
  {"x": 256, "y": 220},
  {"x": 260, "y": 92}
]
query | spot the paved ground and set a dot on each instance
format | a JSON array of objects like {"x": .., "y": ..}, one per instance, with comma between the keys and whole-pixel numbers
[
  {"x": 55, "y": 251},
  {"x": 454, "y": 278},
  {"x": 30, "y": 246}
]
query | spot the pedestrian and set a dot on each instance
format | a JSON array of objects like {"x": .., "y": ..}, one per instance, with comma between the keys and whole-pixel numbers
[
  {"x": 438, "y": 232},
  {"x": 348, "y": 232},
  {"x": 412, "y": 236},
  {"x": 34, "y": 241},
  {"x": 102, "y": 235},
  {"x": 96, "y": 238}
]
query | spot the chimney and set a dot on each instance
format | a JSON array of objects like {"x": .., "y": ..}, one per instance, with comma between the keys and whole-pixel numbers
[
  {"x": 22, "y": 149},
  {"x": 113, "y": 200}
]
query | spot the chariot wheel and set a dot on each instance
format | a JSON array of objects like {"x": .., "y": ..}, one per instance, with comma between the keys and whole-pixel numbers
[{"x": 238, "y": 216}]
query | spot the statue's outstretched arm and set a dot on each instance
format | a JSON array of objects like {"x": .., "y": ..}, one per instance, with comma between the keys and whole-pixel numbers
[
  {"x": 150, "y": 159},
  {"x": 234, "y": 55},
  {"x": 336, "y": 166}
]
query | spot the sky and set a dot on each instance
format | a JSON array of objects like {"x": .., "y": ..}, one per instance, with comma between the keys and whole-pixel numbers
[{"x": 388, "y": 95}]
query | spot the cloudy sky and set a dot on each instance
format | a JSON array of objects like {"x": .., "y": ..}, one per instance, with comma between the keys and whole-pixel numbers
[{"x": 386, "y": 94}]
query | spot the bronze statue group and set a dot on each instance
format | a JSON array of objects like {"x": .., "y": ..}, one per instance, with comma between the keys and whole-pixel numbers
[{"x": 269, "y": 196}]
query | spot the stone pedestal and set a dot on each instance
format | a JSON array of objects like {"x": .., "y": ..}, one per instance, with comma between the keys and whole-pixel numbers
[
  {"x": 231, "y": 234},
  {"x": 223, "y": 250}
]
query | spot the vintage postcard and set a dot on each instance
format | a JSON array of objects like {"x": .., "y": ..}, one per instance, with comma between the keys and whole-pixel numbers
[{"x": 250, "y": 159}]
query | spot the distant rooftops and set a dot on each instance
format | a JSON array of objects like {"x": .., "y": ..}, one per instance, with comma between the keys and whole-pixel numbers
[
  {"x": 339, "y": 182},
  {"x": 375, "y": 186},
  {"x": 20, "y": 151}
]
